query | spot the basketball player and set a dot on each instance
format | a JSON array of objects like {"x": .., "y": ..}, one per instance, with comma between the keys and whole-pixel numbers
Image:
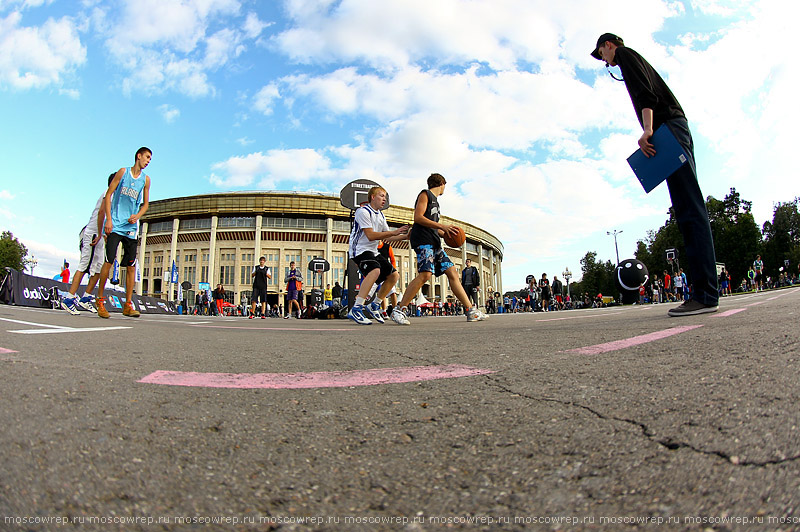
[
  {"x": 127, "y": 199},
  {"x": 426, "y": 240},
  {"x": 260, "y": 275},
  {"x": 369, "y": 229},
  {"x": 93, "y": 247}
]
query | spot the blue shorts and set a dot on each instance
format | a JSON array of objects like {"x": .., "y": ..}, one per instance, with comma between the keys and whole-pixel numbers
[
  {"x": 430, "y": 260},
  {"x": 292, "y": 294}
]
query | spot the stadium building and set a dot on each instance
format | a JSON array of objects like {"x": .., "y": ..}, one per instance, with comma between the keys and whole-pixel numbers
[{"x": 218, "y": 238}]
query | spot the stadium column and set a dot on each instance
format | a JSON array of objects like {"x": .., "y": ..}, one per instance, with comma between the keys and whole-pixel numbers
[
  {"x": 257, "y": 254},
  {"x": 482, "y": 291},
  {"x": 499, "y": 271},
  {"x": 328, "y": 249},
  {"x": 173, "y": 250},
  {"x": 491, "y": 273},
  {"x": 140, "y": 259},
  {"x": 212, "y": 252}
]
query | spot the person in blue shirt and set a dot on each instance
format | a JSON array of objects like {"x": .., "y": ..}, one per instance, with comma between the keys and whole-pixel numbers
[{"x": 126, "y": 201}]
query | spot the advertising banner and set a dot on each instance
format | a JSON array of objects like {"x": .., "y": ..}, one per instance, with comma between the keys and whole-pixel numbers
[{"x": 28, "y": 291}]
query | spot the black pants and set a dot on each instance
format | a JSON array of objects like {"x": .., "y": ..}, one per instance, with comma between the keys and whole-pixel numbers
[{"x": 692, "y": 217}]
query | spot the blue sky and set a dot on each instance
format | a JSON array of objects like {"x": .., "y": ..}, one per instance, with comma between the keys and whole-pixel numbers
[{"x": 499, "y": 96}]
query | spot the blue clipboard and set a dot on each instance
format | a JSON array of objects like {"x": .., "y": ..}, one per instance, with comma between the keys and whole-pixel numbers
[{"x": 651, "y": 171}]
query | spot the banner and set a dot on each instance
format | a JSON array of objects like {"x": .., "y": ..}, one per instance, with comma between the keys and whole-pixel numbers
[
  {"x": 28, "y": 291},
  {"x": 174, "y": 273}
]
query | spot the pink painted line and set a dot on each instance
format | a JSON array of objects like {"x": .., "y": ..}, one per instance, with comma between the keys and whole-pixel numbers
[
  {"x": 754, "y": 304},
  {"x": 321, "y": 379},
  {"x": 350, "y": 329},
  {"x": 629, "y": 342},
  {"x": 5, "y": 351},
  {"x": 728, "y": 313}
]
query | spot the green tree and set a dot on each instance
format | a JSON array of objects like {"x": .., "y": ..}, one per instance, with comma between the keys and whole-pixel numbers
[
  {"x": 12, "y": 253},
  {"x": 782, "y": 238},
  {"x": 737, "y": 239}
]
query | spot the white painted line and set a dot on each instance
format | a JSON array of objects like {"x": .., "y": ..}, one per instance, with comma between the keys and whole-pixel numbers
[
  {"x": 35, "y": 324},
  {"x": 67, "y": 330}
]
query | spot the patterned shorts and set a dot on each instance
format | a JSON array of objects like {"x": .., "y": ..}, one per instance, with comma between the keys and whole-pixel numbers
[{"x": 432, "y": 260}]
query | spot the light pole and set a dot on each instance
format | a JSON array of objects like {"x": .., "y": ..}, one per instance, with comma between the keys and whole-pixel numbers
[
  {"x": 567, "y": 275},
  {"x": 615, "y": 233},
  {"x": 33, "y": 262}
]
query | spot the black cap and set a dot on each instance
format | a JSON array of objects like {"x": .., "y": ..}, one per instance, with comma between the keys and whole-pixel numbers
[{"x": 603, "y": 38}]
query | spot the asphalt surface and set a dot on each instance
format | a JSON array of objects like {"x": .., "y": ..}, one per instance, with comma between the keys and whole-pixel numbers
[{"x": 684, "y": 423}]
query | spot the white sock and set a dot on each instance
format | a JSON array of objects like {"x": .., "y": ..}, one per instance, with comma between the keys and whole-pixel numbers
[{"x": 359, "y": 301}]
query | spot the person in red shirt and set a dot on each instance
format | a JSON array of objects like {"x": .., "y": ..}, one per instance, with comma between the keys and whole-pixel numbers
[
  {"x": 65, "y": 272},
  {"x": 667, "y": 286}
]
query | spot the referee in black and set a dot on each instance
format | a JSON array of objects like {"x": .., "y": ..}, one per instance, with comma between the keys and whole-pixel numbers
[{"x": 655, "y": 105}]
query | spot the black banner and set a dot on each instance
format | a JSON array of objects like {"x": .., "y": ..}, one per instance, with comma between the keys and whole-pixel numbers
[{"x": 28, "y": 291}]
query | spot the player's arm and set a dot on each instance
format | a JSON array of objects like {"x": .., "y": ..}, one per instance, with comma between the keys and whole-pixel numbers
[
  {"x": 108, "y": 225},
  {"x": 401, "y": 233},
  {"x": 101, "y": 219},
  {"x": 145, "y": 201}
]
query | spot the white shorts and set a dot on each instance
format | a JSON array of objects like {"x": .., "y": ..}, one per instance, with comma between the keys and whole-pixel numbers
[{"x": 92, "y": 258}]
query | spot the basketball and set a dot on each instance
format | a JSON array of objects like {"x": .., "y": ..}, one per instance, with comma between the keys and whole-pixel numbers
[{"x": 455, "y": 241}]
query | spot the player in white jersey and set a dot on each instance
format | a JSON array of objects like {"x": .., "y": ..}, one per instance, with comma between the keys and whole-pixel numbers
[
  {"x": 369, "y": 229},
  {"x": 93, "y": 247},
  {"x": 127, "y": 199}
]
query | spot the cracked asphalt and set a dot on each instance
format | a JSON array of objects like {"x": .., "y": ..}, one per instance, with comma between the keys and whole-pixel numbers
[{"x": 694, "y": 430}]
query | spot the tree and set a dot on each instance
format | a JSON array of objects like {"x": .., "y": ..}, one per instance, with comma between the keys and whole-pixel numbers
[
  {"x": 782, "y": 238},
  {"x": 598, "y": 277},
  {"x": 12, "y": 253},
  {"x": 737, "y": 239}
]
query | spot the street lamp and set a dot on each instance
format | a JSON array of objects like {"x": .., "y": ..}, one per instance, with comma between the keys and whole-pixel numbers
[
  {"x": 615, "y": 233},
  {"x": 33, "y": 262},
  {"x": 567, "y": 275}
]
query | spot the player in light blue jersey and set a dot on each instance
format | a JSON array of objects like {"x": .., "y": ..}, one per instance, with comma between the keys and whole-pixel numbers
[{"x": 127, "y": 199}]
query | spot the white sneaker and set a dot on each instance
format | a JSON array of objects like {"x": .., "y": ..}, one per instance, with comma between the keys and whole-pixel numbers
[
  {"x": 70, "y": 305},
  {"x": 474, "y": 314},
  {"x": 357, "y": 315},
  {"x": 86, "y": 303},
  {"x": 399, "y": 317},
  {"x": 373, "y": 310}
]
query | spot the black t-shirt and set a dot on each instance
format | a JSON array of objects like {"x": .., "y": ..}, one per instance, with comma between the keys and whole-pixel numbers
[
  {"x": 421, "y": 235},
  {"x": 260, "y": 280},
  {"x": 646, "y": 87}
]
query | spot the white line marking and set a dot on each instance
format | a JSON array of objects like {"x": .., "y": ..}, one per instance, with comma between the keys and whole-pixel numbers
[
  {"x": 67, "y": 330},
  {"x": 35, "y": 324}
]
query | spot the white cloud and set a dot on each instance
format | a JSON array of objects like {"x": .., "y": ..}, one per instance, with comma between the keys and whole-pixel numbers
[
  {"x": 6, "y": 195},
  {"x": 178, "y": 49},
  {"x": 169, "y": 113},
  {"x": 294, "y": 167},
  {"x": 35, "y": 57}
]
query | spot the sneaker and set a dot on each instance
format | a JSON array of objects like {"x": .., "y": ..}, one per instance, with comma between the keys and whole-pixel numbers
[
  {"x": 374, "y": 311},
  {"x": 86, "y": 303},
  {"x": 101, "y": 308},
  {"x": 287, "y": 316},
  {"x": 692, "y": 308},
  {"x": 70, "y": 304},
  {"x": 474, "y": 314},
  {"x": 129, "y": 311},
  {"x": 357, "y": 315},
  {"x": 399, "y": 317},
  {"x": 252, "y": 316},
  {"x": 263, "y": 317}
]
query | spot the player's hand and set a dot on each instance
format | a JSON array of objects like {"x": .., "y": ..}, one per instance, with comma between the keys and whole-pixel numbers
[
  {"x": 133, "y": 219},
  {"x": 109, "y": 227},
  {"x": 644, "y": 143},
  {"x": 402, "y": 230},
  {"x": 97, "y": 240}
]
